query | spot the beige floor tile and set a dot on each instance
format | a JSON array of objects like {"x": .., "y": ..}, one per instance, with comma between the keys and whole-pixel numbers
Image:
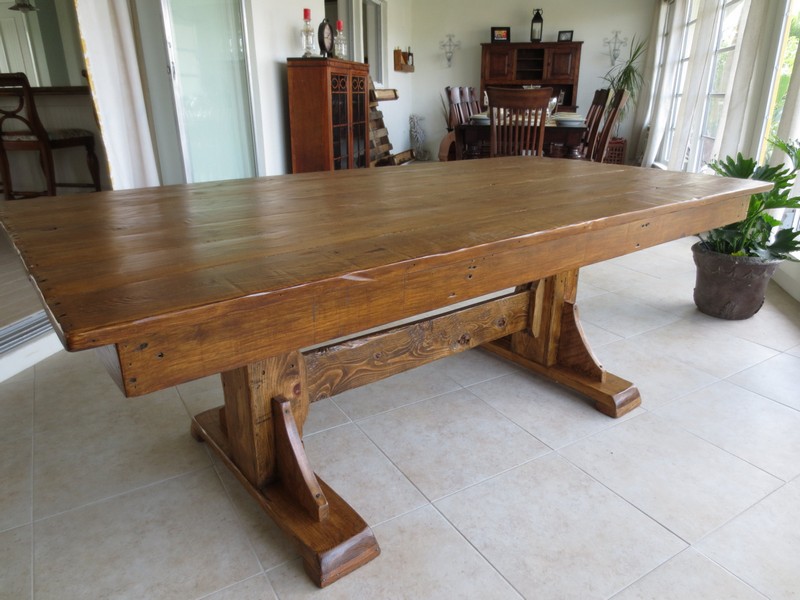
[
  {"x": 322, "y": 415},
  {"x": 612, "y": 277},
  {"x": 271, "y": 545},
  {"x": 177, "y": 539},
  {"x": 776, "y": 325},
  {"x": 794, "y": 351},
  {"x": 705, "y": 344},
  {"x": 255, "y": 588},
  {"x": 361, "y": 474},
  {"x": 597, "y": 336},
  {"x": 775, "y": 378},
  {"x": 16, "y": 408},
  {"x": 660, "y": 377},
  {"x": 669, "y": 264},
  {"x": 412, "y": 386},
  {"x": 422, "y": 556},
  {"x": 554, "y": 532},
  {"x": 762, "y": 432},
  {"x": 673, "y": 296},
  {"x": 447, "y": 443},
  {"x": 552, "y": 413},
  {"x": 16, "y": 475},
  {"x": 587, "y": 290},
  {"x": 473, "y": 366},
  {"x": 685, "y": 483},
  {"x": 762, "y": 545},
  {"x": 621, "y": 315},
  {"x": 107, "y": 447},
  {"x": 689, "y": 575},
  {"x": 16, "y": 548},
  {"x": 202, "y": 394}
]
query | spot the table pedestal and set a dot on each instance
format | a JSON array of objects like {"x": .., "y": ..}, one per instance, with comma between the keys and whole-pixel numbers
[{"x": 258, "y": 432}]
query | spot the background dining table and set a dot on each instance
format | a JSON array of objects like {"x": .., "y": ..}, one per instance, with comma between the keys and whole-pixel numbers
[{"x": 472, "y": 140}]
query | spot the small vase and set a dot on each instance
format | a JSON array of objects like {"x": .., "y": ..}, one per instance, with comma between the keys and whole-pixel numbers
[{"x": 730, "y": 287}]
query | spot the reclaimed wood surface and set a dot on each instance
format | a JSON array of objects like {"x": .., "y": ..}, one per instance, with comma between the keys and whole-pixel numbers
[{"x": 192, "y": 280}]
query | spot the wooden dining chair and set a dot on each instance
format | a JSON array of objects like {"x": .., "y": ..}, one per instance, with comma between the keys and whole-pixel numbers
[
  {"x": 518, "y": 118},
  {"x": 21, "y": 129},
  {"x": 594, "y": 117},
  {"x": 618, "y": 101}
]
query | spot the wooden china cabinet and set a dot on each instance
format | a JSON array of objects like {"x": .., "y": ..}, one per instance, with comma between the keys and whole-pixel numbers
[
  {"x": 328, "y": 114},
  {"x": 548, "y": 64}
]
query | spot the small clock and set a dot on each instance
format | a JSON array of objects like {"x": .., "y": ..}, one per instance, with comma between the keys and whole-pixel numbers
[{"x": 325, "y": 38}]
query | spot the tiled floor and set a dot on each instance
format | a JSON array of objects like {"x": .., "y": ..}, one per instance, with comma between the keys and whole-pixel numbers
[{"x": 479, "y": 481}]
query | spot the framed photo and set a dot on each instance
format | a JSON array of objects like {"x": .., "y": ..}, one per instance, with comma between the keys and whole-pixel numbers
[
  {"x": 501, "y": 35},
  {"x": 565, "y": 36}
]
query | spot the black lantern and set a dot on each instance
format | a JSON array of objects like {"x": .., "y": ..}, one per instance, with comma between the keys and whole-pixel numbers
[{"x": 536, "y": 25}]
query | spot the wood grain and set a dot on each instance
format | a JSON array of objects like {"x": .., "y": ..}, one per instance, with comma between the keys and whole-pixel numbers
[
  {"x": 176, "y": 276},
  {"x": 340, "y": 367}
]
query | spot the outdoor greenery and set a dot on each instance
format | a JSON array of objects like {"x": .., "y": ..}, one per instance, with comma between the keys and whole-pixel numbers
[{"x": 753, "y": 236}]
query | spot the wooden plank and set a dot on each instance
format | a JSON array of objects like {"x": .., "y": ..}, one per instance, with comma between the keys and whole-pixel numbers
[
  {"x": 338, "y": 368},
  {"x": 186, "y": 269}
]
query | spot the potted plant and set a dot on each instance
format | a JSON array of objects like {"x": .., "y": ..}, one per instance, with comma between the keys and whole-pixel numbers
[
  {"x": 736, "y": 262},
  {"x": 626, "y": 75}
]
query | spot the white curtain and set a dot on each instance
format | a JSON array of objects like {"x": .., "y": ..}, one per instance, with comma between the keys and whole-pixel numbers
[
  {"x": 747, "y": 100},
  {"x": 747, "y": 95},
  {"x": 657, "y": 97},
  {"x": 107, "y": 34}
]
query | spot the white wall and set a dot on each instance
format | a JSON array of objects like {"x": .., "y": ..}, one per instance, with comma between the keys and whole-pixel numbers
[
  {"x": 471, "y": 20},
  {"x": 423, "y": 24}
]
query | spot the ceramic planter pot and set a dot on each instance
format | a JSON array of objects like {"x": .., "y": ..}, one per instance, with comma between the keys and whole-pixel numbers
[{"x": 730, "y": 287}]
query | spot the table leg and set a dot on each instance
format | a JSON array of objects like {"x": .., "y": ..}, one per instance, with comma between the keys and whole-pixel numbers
[
  {"x": 258, "y": 434},
  {"x": 554, "y": 345}
]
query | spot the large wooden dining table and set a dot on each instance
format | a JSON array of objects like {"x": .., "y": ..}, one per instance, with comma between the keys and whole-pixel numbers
[{"x": 254, "y": 279}]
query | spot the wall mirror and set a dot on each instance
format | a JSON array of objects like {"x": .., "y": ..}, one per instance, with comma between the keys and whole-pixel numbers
[{"x": 43, "y": 43}]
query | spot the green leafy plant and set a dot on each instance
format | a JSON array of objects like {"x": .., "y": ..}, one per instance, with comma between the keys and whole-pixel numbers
[{"x": 753, "y": 236}]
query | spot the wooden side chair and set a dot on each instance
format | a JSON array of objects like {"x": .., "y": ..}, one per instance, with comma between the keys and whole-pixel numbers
[
  {"x": 21, "y": 129},
  {"x": 618, "y": 101},
  {"x": 462, "y": 102},
  {"x": 518, "y": 118},
  {"x": 594, "y": 117}
]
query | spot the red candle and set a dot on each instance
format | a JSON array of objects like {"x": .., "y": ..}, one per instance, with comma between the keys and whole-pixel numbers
[
  {"x": 339, "y": 25},
  {"x": 306, "y": 14}
]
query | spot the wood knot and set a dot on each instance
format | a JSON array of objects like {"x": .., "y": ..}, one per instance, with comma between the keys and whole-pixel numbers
[
  {"x": 296, "y": 389},
  {"x": 464, "y": 339},
  {"x": 501, "y": 322}
]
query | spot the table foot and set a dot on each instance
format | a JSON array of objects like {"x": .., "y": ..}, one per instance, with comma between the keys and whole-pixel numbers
[
  {"x": 331, "y": 547},
  {"x": 554, "y": 346},
  {"x": 613, "y": 396}
]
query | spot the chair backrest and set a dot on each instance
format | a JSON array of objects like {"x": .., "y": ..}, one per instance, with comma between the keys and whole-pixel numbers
[
  {"x": 18, "y": 113},
  {"x": 518, "y": 118},
  {"x": 593, "y": 118},
  {"x": 463, "y": 104},
  {"x": 618, "y": 101}
]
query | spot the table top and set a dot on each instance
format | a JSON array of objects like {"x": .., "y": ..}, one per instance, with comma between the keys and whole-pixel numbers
[{"x": 321, "y": 255}]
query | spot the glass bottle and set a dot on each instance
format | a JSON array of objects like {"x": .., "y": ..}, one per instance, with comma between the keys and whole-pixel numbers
[
  {"x": 307, "y": 34},
  {"x": 537, "y": 24},
  {"x": 340, "y": 43}
]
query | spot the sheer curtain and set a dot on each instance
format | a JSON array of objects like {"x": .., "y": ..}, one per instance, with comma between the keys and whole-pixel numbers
[
  {"x": 747, "y": 96},
  {"x": 748, "y": 87},
  {"x": 111, "y": 61}
]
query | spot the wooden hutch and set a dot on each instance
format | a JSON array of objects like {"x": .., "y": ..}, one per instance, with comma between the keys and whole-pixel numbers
[
  {"x": 548, "y": 64},
  {"x": 328, "y": 114}
]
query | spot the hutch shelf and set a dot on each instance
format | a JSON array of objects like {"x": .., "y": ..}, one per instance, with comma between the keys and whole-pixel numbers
[{"x": 548, "y": 64}]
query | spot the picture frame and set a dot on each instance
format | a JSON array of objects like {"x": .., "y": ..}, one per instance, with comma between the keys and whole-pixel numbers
[
  {"x": 565, "y": 36},
  {"x": 501, "y": 35}
]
